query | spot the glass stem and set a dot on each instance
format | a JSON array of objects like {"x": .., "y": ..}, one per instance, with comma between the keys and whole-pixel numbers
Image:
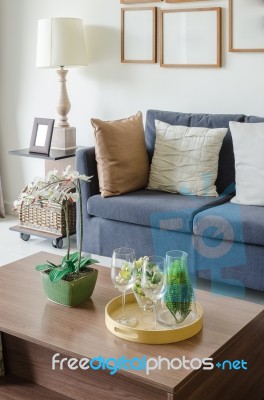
[
  {"x": 123, "y": 304},
  {"x": 155, "y": 315}
]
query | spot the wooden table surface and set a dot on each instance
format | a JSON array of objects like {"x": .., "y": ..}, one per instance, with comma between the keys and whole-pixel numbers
[{"x": 26, "y": 313}]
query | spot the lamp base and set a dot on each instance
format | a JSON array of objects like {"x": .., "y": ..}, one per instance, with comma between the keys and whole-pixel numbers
[{"x": 63, "y": 138}]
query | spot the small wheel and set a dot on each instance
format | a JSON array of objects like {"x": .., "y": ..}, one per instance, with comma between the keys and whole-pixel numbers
[
  {"x": 24, "y": 236},
  {"x": 57, "y": 243}
]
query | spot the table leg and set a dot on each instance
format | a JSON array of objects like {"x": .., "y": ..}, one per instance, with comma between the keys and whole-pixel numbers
[{"x": 2, "y": 370}]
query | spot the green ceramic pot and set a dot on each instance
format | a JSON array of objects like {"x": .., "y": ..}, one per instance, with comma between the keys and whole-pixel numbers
[{"x": 70, "y": 293}]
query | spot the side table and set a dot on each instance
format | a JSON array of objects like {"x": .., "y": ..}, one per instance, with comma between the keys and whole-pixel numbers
[{"x": 57, "y": 159}]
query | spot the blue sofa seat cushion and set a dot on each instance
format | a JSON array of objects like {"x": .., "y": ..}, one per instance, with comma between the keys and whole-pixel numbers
[
  {"x": 152, "y": 208},
  {"x": 232, "y": 222}
]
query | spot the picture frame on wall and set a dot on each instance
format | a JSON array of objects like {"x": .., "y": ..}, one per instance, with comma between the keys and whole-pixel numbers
[
  {"x": 140, "y": 1},
  {"x": 190, "y": 37},
  {"x": 41, "y": 135},
  {"x": 246, "y": 28},
  {"x": 180, "y": 1},
  {"x": 139, "y": 35}
]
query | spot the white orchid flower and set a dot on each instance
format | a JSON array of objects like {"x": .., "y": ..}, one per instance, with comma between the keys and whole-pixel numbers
[
  {"x": 55, "y": 195},
  {"x": 85, "y": 178},
  {"x": 73, "y": 175},
  {"x": 66, "y": 171},
  {"x": 74, "y": 197},
  {"x": 51, "y": 174},
  {"x": 16, "y": 204}
]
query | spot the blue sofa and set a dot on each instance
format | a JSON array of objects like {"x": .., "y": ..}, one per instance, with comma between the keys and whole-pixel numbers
[{"x": 224, "y": 241}]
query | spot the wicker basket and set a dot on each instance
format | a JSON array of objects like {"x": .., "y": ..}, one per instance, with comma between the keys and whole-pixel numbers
[{"x": 48, "y": 217}]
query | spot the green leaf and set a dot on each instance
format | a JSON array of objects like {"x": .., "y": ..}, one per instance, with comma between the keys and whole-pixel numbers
[
  {"x": 43, "y": 267},
  {"x": 90, "y": 261},
  {"x": 156, "y": 278},
  {"x": 68, "y": 265},
  {"x": 58, "y": 273},
  {"x": 87, "y": 261},
  {"x": 73, "y": 257},
  {"x": 64, "y": 264},
  {"x": 71, "y": 265},
  {"x": 53, "y": 265}
]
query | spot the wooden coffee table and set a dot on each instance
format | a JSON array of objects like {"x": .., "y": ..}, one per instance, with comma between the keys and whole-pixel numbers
[{"x": 33, "y": 329}]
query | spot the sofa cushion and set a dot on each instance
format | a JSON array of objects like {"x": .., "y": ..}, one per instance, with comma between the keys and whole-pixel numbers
[
  {"x": 232, "y": 222},
  {"x": 152, "y": 208},
  {"x": 248, "y": 142},
  {"x": 185, "y": 159},
  {"x": 226, "y": 166},
  {"x": 121, "y": 155}
]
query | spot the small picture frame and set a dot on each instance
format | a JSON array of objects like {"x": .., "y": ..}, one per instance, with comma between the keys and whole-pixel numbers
[
  {"x": 139, "y": 45},
  {"x": 246, "y": 26},
  {"x": 41, "y": 136}
]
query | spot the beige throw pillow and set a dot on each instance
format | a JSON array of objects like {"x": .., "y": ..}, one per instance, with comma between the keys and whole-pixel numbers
[
  {"x": 185, "y": 159},
  {"x": 121, "y": 155}
]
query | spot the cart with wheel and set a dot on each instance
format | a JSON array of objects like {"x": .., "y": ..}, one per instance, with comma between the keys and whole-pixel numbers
[{"x": 26, "y": 233}]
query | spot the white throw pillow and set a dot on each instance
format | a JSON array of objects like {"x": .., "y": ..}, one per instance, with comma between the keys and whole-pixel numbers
[
  {"x": 185, "y": 159},
  {"x": 248, "y": 142}
]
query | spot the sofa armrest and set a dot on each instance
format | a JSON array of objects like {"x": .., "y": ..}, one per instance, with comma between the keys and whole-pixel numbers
[{"x": 86, "y": 164}]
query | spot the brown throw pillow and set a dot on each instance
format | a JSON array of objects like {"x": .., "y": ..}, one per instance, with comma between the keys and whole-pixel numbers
[{"x": 121, "y": 155}]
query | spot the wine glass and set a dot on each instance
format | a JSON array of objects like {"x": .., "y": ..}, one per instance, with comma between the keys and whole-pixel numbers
[
  {"x": 123, "y": 274},
  {"x": 153, "y": 281}
]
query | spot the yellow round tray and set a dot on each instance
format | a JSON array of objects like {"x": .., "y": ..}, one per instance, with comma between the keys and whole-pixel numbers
[{"x": 142, "y": 332}]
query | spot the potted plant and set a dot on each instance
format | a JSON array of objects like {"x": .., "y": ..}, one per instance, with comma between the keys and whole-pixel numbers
[
  {"x": 73, "y": 280},
  {"x": 179, "y": 297}
]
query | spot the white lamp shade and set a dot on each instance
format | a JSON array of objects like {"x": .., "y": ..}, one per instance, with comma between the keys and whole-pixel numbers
[{"x": 60, "y": 43}]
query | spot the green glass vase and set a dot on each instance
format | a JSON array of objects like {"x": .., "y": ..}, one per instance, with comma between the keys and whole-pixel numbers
[{"x": 178, "y": 305}]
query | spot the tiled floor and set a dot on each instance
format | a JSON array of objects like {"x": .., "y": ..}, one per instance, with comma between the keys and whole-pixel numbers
[{"x": 12, "y": 248}]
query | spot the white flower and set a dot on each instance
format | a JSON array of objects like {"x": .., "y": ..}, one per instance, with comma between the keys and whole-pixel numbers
[
  {"x": 73, "y": 175},
  {"x": 53, "y": 188},
  {"x": 51, "y": 174},
  {"x": 85, "y": 178},
  {"x": 54, "y": 196},
  {"x": 65, "y": 172},
  {"x": 74, "y": 197},
  {"x": 16, "y": 204}
]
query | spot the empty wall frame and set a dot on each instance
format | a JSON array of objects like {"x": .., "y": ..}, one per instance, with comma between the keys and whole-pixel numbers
[
  {"x": 179, "y": 1},
  {"x": 138, "y": 35},
  {"x": 154, "y": 1},
  {"x": 190, "y": 37},
  {"x": 140, "y": 1},
  {"x": 246, "y": 25}
]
